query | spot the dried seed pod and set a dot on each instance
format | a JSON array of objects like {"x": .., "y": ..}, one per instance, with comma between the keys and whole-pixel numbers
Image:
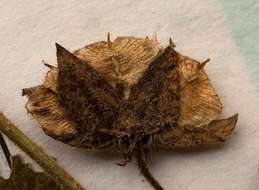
[{"x": 127, "y": 96}]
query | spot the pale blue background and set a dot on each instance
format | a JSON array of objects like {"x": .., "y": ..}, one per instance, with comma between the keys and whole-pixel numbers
[{"x": 243, "y": 17}]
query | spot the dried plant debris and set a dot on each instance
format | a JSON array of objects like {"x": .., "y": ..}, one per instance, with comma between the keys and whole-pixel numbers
[
  {"x": 128, "y": 97},
  {"x": 22, "y": 177}
]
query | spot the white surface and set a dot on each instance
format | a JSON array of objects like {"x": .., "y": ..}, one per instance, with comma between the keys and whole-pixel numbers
[{"x": 28, "y": 31}]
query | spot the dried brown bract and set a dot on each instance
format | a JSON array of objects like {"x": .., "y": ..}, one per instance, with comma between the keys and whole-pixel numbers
[{"x": 129, "y": 96}]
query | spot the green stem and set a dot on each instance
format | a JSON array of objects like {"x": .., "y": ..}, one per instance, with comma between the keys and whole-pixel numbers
[{"x": 56, "y": 172}]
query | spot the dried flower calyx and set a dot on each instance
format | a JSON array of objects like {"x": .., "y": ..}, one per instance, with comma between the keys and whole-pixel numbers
[{"x": 129, "y": 96}]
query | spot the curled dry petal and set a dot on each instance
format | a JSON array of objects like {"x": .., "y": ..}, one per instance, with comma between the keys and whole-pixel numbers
[
  {"x": 51, "y": 79},
  {"x": 44, "y": 107},
  {"x": 189, "y": 136},
  {"x": 199, "y": 102}
]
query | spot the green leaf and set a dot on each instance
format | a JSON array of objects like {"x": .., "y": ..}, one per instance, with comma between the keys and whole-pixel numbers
[{"x": 24, "y": 178}]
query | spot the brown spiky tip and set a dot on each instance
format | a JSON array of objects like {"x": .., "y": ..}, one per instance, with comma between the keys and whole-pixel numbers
[
  {"x": 47, "y": 65},
  {"x": 202, "y": 64},
  {"x": 108, "y": 37},
  {"x": 26, "y": 91},
  {"x": 171, "y": 43},
  {"x": 59, "y": 49}
]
